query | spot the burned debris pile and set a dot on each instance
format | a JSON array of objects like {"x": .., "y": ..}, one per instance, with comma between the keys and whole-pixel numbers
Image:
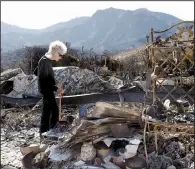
[
  {"x": 102, "y": 134},
  {"x": 74, "y": 81},
  {"x": 179, "y": 111},
  {"x": 107, "y": 135}
]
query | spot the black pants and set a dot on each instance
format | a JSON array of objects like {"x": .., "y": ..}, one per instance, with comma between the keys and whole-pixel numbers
[{"x": 50, "y": 112}]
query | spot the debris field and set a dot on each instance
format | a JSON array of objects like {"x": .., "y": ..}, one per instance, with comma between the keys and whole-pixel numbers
[{"x": 106, "y": 124}]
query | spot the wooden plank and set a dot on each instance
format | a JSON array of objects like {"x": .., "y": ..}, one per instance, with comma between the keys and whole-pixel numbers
[{"x": 108, "y": 110}]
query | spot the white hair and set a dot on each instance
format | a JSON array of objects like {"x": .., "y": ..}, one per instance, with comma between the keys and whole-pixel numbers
[{"x": 56, "y": 47}]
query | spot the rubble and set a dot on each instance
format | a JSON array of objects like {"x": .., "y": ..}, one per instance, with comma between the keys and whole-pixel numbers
[
  {"x": 111, "y": 151},
  {"x": 130, "y": 151},
  {"x": 74, "y": 81},
  {"x": 27, "y": 149},
  {"x": 6, "y": 75},
  {"x": 18, "y": 129},
  {"x": 88, "y": 152},
  {"x": 136, "y": 162},
  {"x": 102, "y": 134},
  {"x": 106, "y": 135},
  {"x": 179, "y": 111},
  {"x": 156, "y": 161},
  {"x": 94, "y": 134}
]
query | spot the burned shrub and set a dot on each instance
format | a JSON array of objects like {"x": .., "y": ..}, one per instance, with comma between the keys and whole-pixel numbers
[
  {"x": 134, "y": 65},
  {"x": 74, "y": 57},
  {"x": 113, "y": 65},
  {"x": 71, "y": 58},
  {"x": 31, "y": 58},
  {"x": 33, "y": 54}
]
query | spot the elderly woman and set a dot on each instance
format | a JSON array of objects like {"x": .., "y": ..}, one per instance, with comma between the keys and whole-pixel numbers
[{"x": 47, "y": 85}]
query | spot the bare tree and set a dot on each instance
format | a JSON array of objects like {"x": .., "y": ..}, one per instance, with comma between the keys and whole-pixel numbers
[{"x": 31, "y": 57}]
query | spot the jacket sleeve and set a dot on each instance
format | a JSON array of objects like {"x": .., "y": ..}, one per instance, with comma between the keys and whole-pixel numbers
[{"x": 46, "y": 76}]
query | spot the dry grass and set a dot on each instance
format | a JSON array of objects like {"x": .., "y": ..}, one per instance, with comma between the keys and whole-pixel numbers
[{"x": 124, "y": 55}]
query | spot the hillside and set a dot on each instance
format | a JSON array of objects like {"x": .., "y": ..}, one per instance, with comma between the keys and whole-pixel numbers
[{"x": 111, "y": 29}]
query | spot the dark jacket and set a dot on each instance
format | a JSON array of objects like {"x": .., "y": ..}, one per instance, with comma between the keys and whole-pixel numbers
[{"x": 46, "y": 80}]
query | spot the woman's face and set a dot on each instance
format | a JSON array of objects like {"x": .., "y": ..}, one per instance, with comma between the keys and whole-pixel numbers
[{"x": 57, "y": 57}]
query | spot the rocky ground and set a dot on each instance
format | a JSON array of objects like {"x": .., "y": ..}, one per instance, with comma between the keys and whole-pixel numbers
[{"x": 18, "y": 127}]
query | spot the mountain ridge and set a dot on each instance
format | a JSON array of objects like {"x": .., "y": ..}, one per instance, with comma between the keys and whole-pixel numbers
[{"x": 111, "y": 28}]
